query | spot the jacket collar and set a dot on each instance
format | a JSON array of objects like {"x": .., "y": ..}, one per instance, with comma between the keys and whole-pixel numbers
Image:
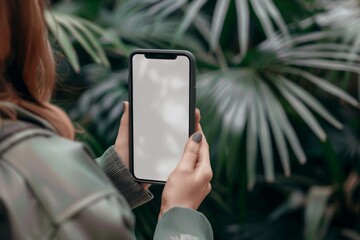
[{"x": 25, "y": 115}]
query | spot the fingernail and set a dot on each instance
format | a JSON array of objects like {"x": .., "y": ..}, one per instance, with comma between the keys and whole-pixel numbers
[{"x": 197, "y": 137}]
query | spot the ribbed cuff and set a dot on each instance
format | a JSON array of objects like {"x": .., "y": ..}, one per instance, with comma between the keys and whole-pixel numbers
[
  {"x": 183, "y": 223},
  {"x": 121, "y": 177}
]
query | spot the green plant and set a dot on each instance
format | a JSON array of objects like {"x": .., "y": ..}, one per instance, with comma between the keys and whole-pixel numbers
[
  {"x": 270, "y": 73},
  {"x": 94, "y": 39}
]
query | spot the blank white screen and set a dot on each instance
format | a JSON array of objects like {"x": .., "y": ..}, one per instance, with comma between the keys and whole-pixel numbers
[{"x": 160, "y": 115}]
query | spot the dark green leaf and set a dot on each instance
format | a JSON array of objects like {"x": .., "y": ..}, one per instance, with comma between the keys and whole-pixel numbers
[{"x": 217, "y": 25}]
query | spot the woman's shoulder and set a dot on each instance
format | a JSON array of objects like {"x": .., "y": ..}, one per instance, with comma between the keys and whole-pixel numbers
[
  {"x": 63, "y": 178},
  {"x": 27, "y": 137},
  {"x": 28, "y": 144},
  {"x": 54, "y": 167}
]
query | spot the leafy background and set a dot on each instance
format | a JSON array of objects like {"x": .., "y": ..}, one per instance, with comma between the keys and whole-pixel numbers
[{"x": 278, "y": 87}]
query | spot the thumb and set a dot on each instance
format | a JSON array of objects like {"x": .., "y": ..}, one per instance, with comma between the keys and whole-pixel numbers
[
  {"x": 122, "y": 138},
  {"x": 191, "y": 152}
]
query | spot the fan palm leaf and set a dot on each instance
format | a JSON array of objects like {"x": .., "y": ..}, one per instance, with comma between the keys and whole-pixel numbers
[
  {"x": 267, "y": 13},
  {"x": 253, "y": 98},
  {"x": 65, "y": 28},
  {"x": 343, "y": 17},
  {"x": 151, "y": 24},
  {"x": 100, "y": 108}
]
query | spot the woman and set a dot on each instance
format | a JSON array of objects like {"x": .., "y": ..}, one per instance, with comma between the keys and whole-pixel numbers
[{"x": 50, "y": 188}]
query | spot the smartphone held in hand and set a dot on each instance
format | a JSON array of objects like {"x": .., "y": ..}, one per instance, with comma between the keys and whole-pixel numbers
[{"x": 162, "y": 109}]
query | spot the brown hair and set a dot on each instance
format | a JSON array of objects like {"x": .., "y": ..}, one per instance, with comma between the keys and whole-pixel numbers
[{"x": 27, "y": 66}]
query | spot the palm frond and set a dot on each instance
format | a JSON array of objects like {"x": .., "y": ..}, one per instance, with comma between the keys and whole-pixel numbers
[
  {"x": 244, "y": 97},
  {"x": 220, "y": 11},
  {"x": 342, "y": 16},
  {"x": 66, "y": 28},
  {"x": 190, "y": 15},
  {"x": 265, "y": 141},
  {"x": 264, "y": 18},
  {"x": 321, "y": 83},
  {"x": 311, "y": 102},
  {"x": 85, "y": 37},
  {"x": 251, "y": 147},
  {"x": 64, "y": 41},
  {"x": 266, "y": 11},
  {"x": 151, "y": 24},
  {"x": 69, "y": 7},
  {"x": 303, "y": 111},
  {"x": 315, "y": 211},
  {"x": 100, "y": 107},
  {"x": 243, "y": 23},
  {"x": 276, "y": 130}
]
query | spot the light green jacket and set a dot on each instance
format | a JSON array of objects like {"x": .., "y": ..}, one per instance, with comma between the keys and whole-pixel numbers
[{"x": 45, "y": 179}]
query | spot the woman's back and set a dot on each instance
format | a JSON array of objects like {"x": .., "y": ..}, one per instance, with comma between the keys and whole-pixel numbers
[{"x": 52, "y": 188}]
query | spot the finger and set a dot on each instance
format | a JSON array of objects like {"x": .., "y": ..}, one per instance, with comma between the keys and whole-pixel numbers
[
  {"x": 191, "y": 152},
  {"x": 204, "y": 155},
  {"x": 201, "y": 130},
  {"x": 145, "y": 185},
  {"x": 208, "y": 190},
  {"x": 123, "y": 134},
  {"x": 197, "y": 119},
  {"x": 197, "y": 116}
]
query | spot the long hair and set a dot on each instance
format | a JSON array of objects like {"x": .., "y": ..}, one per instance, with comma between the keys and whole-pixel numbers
[{"x": 27, "y": 66}]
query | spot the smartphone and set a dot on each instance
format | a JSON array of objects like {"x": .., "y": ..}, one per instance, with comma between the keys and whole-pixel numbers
[{"x": 162, "y": 111}]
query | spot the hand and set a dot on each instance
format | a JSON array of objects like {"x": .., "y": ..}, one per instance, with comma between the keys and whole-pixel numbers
[
  {"x": 189, "y": 183},
  {"x": 122, "y": 140}
]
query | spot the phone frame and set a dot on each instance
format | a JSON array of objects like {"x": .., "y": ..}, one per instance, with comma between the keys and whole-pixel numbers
[{"x": 160, "y": 54}]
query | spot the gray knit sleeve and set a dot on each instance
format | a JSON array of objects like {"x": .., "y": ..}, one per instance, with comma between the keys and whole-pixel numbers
[
  {"x": 183, "y": 223},
  {"x": 121, "y": 177}
]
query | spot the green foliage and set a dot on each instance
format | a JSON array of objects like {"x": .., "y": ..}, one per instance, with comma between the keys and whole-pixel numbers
[{"x": 277, "y": 84}]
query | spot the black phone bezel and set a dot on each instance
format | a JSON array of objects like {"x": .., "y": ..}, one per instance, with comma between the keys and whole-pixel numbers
[{"x": 160, "y": 54}]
